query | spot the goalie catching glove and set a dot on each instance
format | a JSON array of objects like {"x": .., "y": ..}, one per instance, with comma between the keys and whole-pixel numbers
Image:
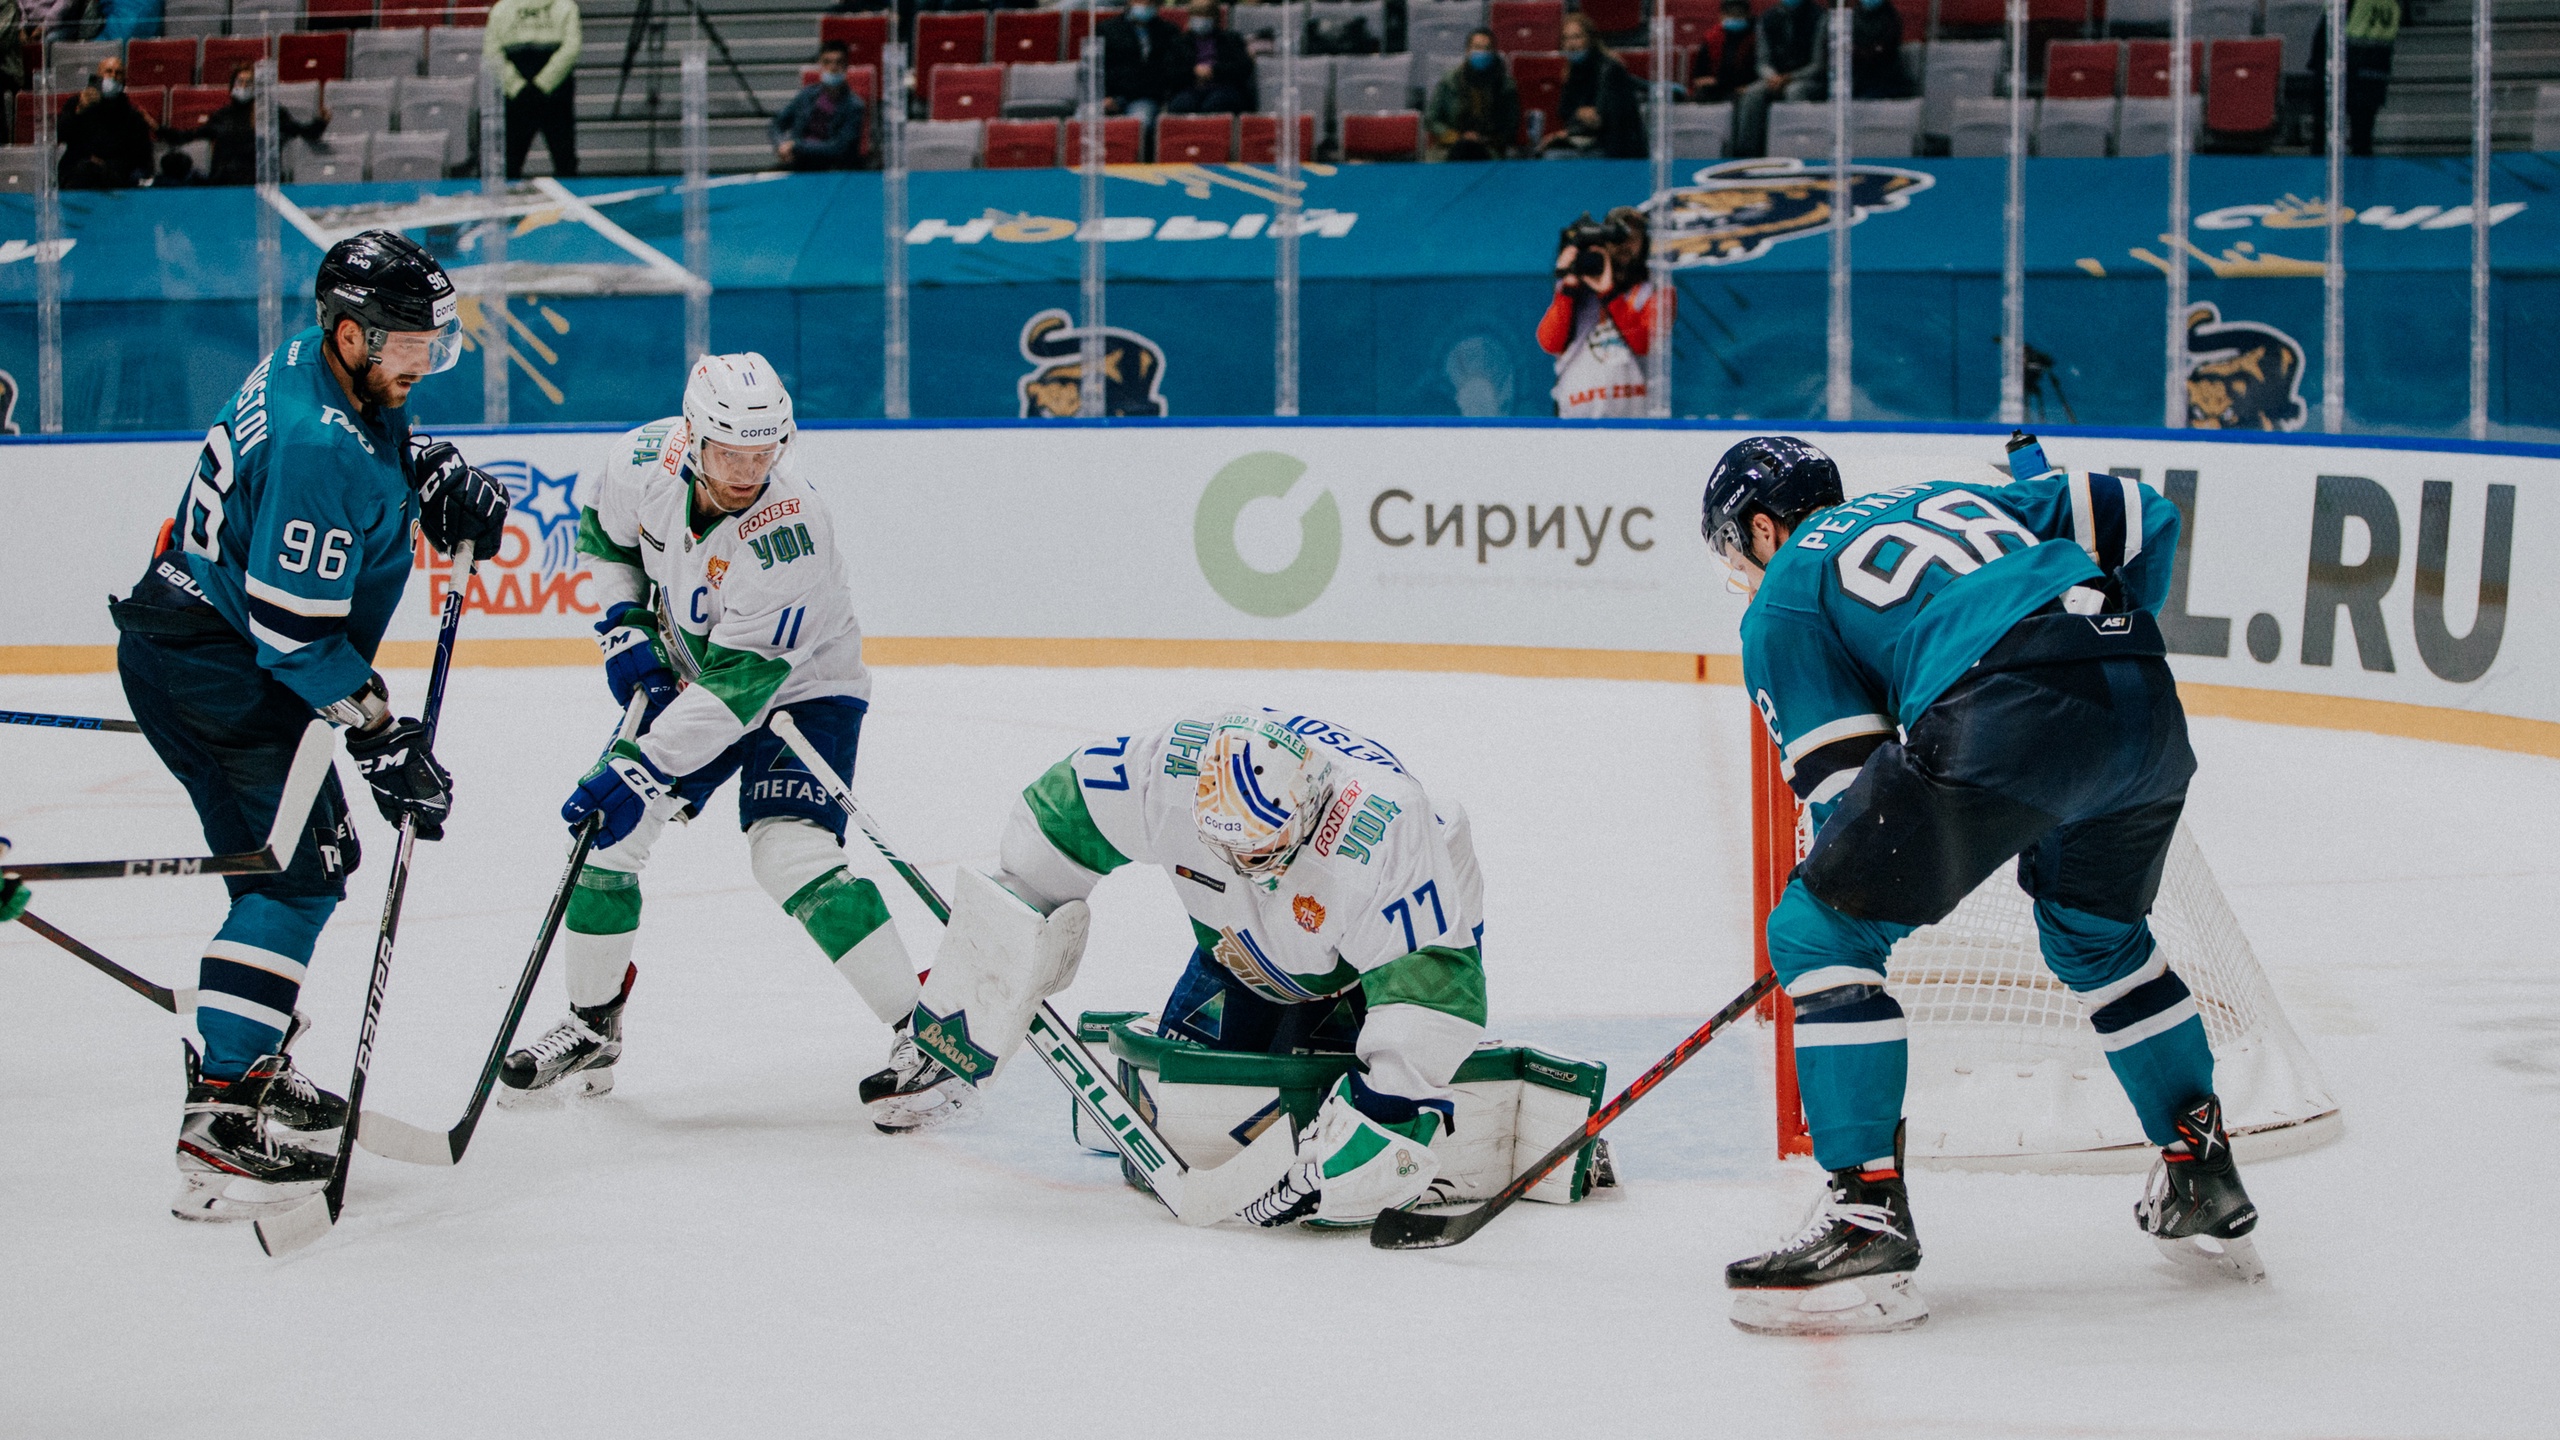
[{"x": 1352, "y": 1165}]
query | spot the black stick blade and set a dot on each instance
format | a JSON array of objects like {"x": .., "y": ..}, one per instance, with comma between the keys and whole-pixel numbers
[{"x": 1411, "y": 1230}]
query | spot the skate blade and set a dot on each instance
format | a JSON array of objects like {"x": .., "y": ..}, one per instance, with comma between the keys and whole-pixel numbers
[
  {"x": 204, "y": 1198},
  {"x": 584, "y": 1084},
  {"x": 1866, "y": 1305},
  {"x": 893, "y": 1116},
  {"x": 2232, "y": 1259}
]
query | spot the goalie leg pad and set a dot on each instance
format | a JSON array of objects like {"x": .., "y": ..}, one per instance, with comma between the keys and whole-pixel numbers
[
  {"x": 802, "y": 868},
  {"x": 999, "y": 959}
]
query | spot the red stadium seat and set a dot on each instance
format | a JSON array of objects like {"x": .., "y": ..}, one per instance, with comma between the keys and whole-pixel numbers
[
  {"x": 966, "y": 92},
  {"x": 1616, "y": 17},
  {"x": 152, "y": 101},
  {"x": 160, "y": 62},
  {"x": 861, "y": 35},
  {"x": 191, "y": 105},
  {"x": 222, "y": 52},
  {"x": 2240, "y": 98},
  {"x": 303, "y": 55},
  {"x": 338, "y": 14},
  {"x": 1195, "y": 139},
  {"x": 1080, "y": 23},
  {"x": 1963, "y": 13},
  {"x": 1124, "y": 140},
  {"x": 2082, "y": 69},
  {"x": 1022, "y": 145},
  {"x": 1527, "y": 25},
  {"x": 1387, "y": 135},
  {"x": 1258, "y": 139},
  {"x": 948, "y": 37},
  {"x": 2146, "y": 71},
  {"x": 1541, "y": 82},
  {"x": 426, "y": 15},
  {"x": 1030, "y": 37},
  {"x": 25, "y": 120},
  {"x": 1694, "y": 22}
]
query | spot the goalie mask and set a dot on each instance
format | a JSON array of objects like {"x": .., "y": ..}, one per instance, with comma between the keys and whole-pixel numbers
[{"x": 1259, "y": 793}]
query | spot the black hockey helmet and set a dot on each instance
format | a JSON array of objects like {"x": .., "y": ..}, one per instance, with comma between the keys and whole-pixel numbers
[
  {"x": 1779, "y": 476},
  {"x": 389, "y": 284}
]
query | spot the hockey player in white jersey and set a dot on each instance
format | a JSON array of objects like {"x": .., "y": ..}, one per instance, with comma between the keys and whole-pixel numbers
[
  {"x": 1334, "y": 906},
  {"x": 754, "y": 608}
]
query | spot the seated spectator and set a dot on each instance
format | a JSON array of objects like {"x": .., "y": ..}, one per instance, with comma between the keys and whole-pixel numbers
[
  {"x": 1222, "y": 79},
  {"x": 106, "y": 143},
  {"x": 1602, "y": 116},
  {"x": 233, "y": 129},
  {"x": 1725, "y": 64},
  {"x": 1875, "y": 54},
  {"x": 1601, "y": 324},
  {"x": 1793, "y": 51},
  {"x": 1145, "y": 62},
  {"x": 821, "y": 128},
  {"x": 1475, "y": 109}
]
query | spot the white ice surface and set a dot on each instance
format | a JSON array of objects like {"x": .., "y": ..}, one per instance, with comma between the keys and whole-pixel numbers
[{"x": 722, "y": 1247}]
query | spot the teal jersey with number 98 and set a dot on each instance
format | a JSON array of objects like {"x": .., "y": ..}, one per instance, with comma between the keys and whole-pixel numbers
[
  {"x": 1874, "y": 607},
  {"x": 296, "y": 522}
]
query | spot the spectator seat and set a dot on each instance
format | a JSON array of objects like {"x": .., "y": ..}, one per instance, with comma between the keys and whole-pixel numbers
[
  {"x": 302, "y": 97},
  {"x": 454, "y": 50},
  {"x": 861, "y": 35},
  {"x": 2146, "y": 69},
  {"x": 1080, "y": 23},
  {"x": 2142, "y": 124},
  {"x": 191, "y": 105},
  {"x": 1392, "y": 135},
  {"x": 160, "y": 62},
  {"x": 1195, "y": 139},
  {"x": 944, "y": 144},
  {"x": 424, "y": 15},
  {"x": 1022, "y": 144},
  {"x": 73, "y": 61},
  {"x": 265, "y": 17},
  {"x": 1801, "y": 128},
  {"x": 222, "y": 52},
  {"x": 2240, "y": 97},
  {"x": 1883, "y": 129},
  {"x": 24, "y": 121},
  {"x": 361, "y": 106},
  {"x": 194, "y": 19},
  {"x": 1526, "y": 26},
  {"x": 1124, "y": 139},
  {"x": 1541, "y": 81},
  {"x": 966, "y": 92},
  {"x": 338, "y": 160},
  {"x": 2082, "y": 69},
  {"x": 948, "y": 37},
  {"x": 2137, "y": 17},
  {"x": 1439, "y": 28},
  {"x": 1617, "y": 17},
  {"x": 1258, "y": 139},
  {"x": 2293, "y": 21},
  {"x": 1050, "y": 90},
  {"x": 1979, "y": 129},
  {"x": 1315, "y": 85},
  {"x": 337, "y": 14},
  {"x": 442, "y": 104},
  {"x": 305, "y": 55},
  {"x": 2075, "y": 128},
  {"x": 1029, "y": 37},
  {"x": 1701, "y": 132},
  {"x": 1957, "y": 70},
  {"x": 1966, "y": 14},
  {"x": 386, "y": 54},
  {"x": 152, "y": 101},
  {"x": 418, "y": 155},
  {"x": 2546, "y": 118},
  {"x": 21, "y": 170},
  {"x": 2222, "y": 19},
  {"x": 1372, "y": 83}
]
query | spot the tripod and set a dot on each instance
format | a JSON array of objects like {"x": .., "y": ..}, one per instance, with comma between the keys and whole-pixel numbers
[{"x": 650, "y": 28}]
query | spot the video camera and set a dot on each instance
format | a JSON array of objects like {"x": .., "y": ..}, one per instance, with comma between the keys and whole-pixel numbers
[{"x": 1591, "y": 240}]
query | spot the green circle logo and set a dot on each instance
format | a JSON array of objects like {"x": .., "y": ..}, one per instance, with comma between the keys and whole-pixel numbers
[{"x": 1265, "y": 475}]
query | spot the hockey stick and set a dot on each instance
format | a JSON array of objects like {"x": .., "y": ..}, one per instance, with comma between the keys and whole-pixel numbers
[
  {"x": 313, "y": 1218},
  {"x": 67, "y": 722},
  {"x": 293, "y": 806},
  {"x": 1410, "y": 1230},
  {"x": 395, "y": 1139},
  {"x": 176, "y": 1002},
  {"x": 1195, "y": 1196}
]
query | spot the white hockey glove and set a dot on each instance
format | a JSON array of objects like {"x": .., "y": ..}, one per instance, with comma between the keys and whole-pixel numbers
[{"x": 1351, "y": 1167}]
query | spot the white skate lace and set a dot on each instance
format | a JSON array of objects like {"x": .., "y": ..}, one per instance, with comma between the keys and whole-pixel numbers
[
  {"x": 1831, "y": 1207},
  {"x": 563, "y": 1038}
]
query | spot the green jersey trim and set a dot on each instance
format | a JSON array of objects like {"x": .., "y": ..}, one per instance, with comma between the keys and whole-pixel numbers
[
  {"x": 1057, "y": 803},
  {"x": 1435, "y": 977},
  {"x": 744, "y": 680},
  {"x": 592, "y": 540}
]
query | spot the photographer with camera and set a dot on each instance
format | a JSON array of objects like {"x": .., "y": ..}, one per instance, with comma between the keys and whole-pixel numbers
[{"x": 1604, "y": 317}]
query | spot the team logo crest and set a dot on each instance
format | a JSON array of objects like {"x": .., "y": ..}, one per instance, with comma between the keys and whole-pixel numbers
[
  {"x": 1735, "y": 211},
  {"x": 1132, "y": 370},
  {"x": 2241, "y": 375},
  {"x": 713, "y": 569},
  {"x": 1309, "y": 912}
]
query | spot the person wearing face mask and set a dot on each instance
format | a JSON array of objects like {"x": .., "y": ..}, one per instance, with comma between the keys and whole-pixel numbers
[
  {"x": 1601, "y": 113},
  {"x": 822, "y": 126},
  {"x": 1794, "y": 55},
  {"x": 1146, "y": 61},
  {"x": 233, "y": 130},
  {"x": 1221, "y": 80},
  {"x": 1875, "y": 54},
  {"x": 1727, "y": 63},
  {"x": 106, "y": 142},
  {"x": 1475, "y": 109}
]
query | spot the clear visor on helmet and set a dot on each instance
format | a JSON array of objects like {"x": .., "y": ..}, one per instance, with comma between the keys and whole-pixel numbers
[
  {"x": 1726, "y": 543},
  {"x": 418, "y": 352},
  {"x": 737, "y": 467}
]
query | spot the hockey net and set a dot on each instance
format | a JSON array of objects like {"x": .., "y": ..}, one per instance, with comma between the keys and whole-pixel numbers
[{"x": 2006, "y": 1072}]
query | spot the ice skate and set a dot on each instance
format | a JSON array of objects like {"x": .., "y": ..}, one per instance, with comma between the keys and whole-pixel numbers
[
  {"x": 1847, "y": 1272},
  {"x": 229, "y": 1166},
  {"x": 916, "y": 1092},
  {"x": 575, "y": 1057},
  {"x": 2194, "y": 1208}
]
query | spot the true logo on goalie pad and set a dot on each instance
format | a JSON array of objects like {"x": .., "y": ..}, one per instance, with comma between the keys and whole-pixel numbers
[{"x": 946, "y": 1038}]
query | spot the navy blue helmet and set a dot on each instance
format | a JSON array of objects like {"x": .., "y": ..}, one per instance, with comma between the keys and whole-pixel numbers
[{"x": 1775, "y": 475}]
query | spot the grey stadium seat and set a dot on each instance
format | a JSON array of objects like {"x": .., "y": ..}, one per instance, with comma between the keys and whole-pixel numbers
[
  {"x": 1980, "y": 128},
  {"x": 2142, "y": 126},
  {"x": 2222, "y": 19},
  {"x": 1701, "y": 132},
  {"x": 1315, "y": 87},
  {"x": 385, "y": 54},
  {"x": 71, "y": 61},
  {"x": 1958, "y": 70},
  {"x": 1042, "y": 90},
  {"x": 339, "y": 160},
  {"x": 408, "y": 156},
  {"x": 21, "y": 169},
  {"x": 944, "y": 144},
  {"x": 445, "y": 105},
  {"x": 361, "y": 106},
  {"x": 2075, "y": 129},
  {"x": 1367, "y": 83},
  {"x": 198, "y": 18},
  {"x": 454, "y": 50},
  {"x": 265, "y": 17},
  {"x": 1801, "y": 128},
  {"x": 1884, "y": 129}
]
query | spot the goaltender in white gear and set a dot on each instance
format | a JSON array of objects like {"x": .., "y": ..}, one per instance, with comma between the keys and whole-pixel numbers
[
  {"x": 1315, "y": 869},
  {"x": 754, "y": 617}
]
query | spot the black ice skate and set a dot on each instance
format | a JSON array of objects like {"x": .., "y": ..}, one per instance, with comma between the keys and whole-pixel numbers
[
  {"x": 1847, "y": 1272},
  {"x": 229, "y": 1167},
  {"x": 916, "y": 1092},
  {"x": 576, "y": 1057},
  {"x": 2194, "y": 1209}
]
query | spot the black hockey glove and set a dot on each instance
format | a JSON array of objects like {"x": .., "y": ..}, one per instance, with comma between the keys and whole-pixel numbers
[
  {"x": 458, "y": 501},
  {"x": 406, "y": 779}
]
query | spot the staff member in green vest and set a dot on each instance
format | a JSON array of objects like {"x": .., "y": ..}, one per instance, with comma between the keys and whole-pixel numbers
[
  {"x": 2373, "y": 27},
  {"x": 534, "y": 44}
]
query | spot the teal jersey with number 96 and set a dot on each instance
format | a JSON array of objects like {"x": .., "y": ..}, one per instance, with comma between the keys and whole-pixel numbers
[
  {"x": 1874, "y": 607},
  {"x": 296, "y": 522}
]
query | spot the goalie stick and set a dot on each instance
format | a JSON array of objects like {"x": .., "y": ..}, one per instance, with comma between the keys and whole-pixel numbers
[
  {"x": 67, "y": 722},
  {"x": 1195, "y": 1196},
  {"x": 1412, "y": 1230},
  {"x": 293, "y": 806},
  {"x": 298, "y": 1226},
  {"x": 395, "y": 1139}
]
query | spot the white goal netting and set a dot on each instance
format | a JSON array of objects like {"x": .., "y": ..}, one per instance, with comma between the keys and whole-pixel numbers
[{"x": 2006, "y": 1071}]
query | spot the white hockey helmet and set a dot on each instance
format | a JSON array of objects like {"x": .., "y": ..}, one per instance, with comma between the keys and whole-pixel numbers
[
  {"x": 1261, "y": 789},
  {"x": 737, "y": 402}
]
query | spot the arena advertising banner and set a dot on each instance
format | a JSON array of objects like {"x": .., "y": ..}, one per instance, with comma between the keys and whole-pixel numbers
[
  {"x": 2370, "y": 574},
  {"x": 1423, "y": 285}
]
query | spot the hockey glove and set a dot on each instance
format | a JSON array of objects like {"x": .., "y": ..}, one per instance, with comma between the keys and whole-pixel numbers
[
  {"x": 628, "y": 635},
  {"x": 406, "y": 780},
  {"x": 14, "y": 895},
  {"x": 1352, "y": 1165},
  {"x": 458, "y": 501},
  {"x": 621, "y": 789}
]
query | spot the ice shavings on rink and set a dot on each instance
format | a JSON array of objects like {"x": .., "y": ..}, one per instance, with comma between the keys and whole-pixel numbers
[{"x": 724, "y": 1247}]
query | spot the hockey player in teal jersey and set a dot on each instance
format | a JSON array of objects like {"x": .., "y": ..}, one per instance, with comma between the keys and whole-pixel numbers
[
  {"x": 263, "y": 605},
  {"x": 1957, "y": 674}
]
